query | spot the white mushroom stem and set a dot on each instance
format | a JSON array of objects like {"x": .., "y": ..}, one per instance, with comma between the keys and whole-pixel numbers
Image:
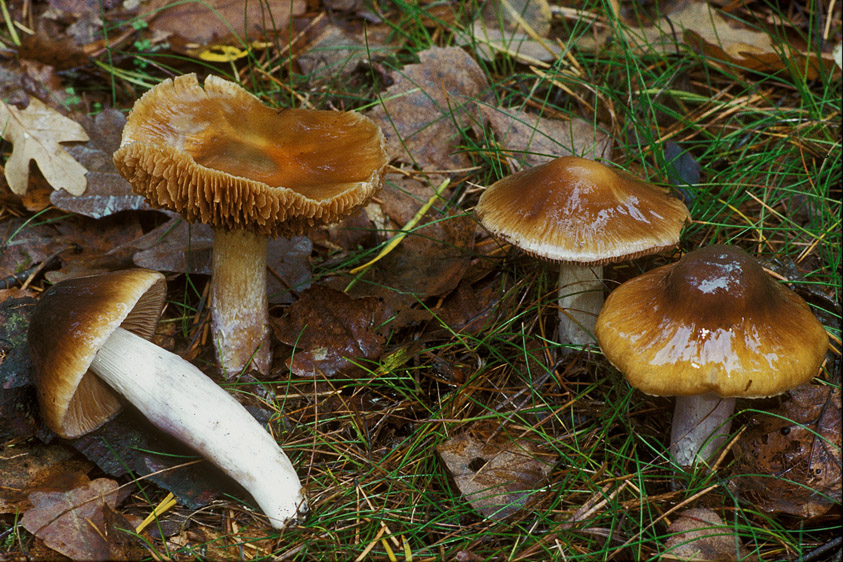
[
  {"x": 239, "y": 305},
  {"x": 580, "y": 300},
  {"x": 700, "y": 427},
  {"x": 180, "y": 400}
]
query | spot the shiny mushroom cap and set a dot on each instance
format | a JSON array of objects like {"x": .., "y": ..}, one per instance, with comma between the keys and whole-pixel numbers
[
  {"x": 219, "y": 156},
  {"x": 71, "y": 322},
  {"x": 576, "y": 210},
  {"x": 712, "y": 322}
]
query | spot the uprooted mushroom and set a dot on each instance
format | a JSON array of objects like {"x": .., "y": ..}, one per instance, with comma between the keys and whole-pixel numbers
[{"x": 89, "y": 342}]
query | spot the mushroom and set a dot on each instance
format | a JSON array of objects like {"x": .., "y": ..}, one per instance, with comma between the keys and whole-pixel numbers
[
  {"x": 218, "y": 155},
  {"x": 707, "y": 329},
  {"x": 88, "y": 339},
  {"x": 584, "y": 215}
]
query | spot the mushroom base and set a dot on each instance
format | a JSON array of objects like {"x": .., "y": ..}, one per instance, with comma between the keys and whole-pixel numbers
[
  {"x": 580, "y": 300},
  {"x": 239, "y": 305},
  {"x": 180, "y": 400},
  {"x": 700, "y": 428}
]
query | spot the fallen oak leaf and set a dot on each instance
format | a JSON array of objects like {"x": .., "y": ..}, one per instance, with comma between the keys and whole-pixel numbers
[{"x": 36, "y": 133}]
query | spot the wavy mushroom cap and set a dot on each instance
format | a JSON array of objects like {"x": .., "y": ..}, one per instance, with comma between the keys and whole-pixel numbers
[
  {"x": 712, "y": 322},
  {"x": 576, "y": 210},
  {"x": 70, "y": 323},
  {"x": 219, "y": 156}
]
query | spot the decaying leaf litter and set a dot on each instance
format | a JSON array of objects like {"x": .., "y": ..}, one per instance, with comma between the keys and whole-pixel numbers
[{"x": 422, "y": 399}]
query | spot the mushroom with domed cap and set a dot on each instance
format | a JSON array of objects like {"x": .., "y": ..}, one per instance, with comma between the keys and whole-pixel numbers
[
  {"x": 218, "y": 155},
  {"x": 584, "y": 215},
  {"x": 89, "y": 342},
  {"x": 708, "y": 329}
]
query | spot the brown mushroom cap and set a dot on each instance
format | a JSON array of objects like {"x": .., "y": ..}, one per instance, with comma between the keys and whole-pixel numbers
[
  {"x": 219, "y": 156},
  {"x": 579, "y": 211},
  {"x": 73, "y": 400},
  {"x": 712, "y": 322}
]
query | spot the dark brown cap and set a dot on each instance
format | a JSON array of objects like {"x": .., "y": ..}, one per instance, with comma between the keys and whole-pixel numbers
[
  {"x": 218, "y": 155},
  {"x": 579, "y": 211},
  {"x": 71, "y": 322},
  {"x": 712, "y": 322}
]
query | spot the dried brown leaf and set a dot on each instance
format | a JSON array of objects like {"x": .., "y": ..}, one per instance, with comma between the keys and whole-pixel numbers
[
  {"x": 517, "y": 27},
  {"x": 36, "y": 133},
  {"x": 431, "y": 260},
  {"x": 35, "y": 467},
  {"x": 470, "y": 308},
  {"x": 496, "y": 473},
  {"x": 331, "y": 331},
  {"x": 181, "y": 247},
  {"x": 58, "y": 51},
  {"x": 789, "y": 460},
  {"x": 336, "y": 52},
  {"x": 198, "y": 24},
  {"x": 700, "y": 25},
  {"x": 107, "y": 191},
  {"x": 428, "y": 104},
  {"x": 533, "y": 140},
  {"x": 72, "y": 522},
  {"x": 699, "y": 534}
]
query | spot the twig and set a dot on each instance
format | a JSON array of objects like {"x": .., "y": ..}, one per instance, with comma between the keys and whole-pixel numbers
[
  {"x": 27, "y": 275},
  {"x": 822, "y": 550},
  {"x": 400, "y": 236}
]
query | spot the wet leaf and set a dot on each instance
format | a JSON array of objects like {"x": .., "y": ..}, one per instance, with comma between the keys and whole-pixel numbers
[
  {"x": 72, "y": 523},
  {"x": 330, "y": 331},
  {"x": 531, "y": 139},
  {"x": 427, "y": 107},
  {"x": 107, "y": 191},
  {"x": 495, "y": 472},
  {"x": 683, "y": 171},
  {"x": 36, "y": 133},
  {"x": 789, "y": 460},
  {"x": 699, "y": 534},
  {"x": 176, "y": 246}
]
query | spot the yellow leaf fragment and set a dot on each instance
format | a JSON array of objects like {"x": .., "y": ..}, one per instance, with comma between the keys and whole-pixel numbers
[
  {"x": 36, "y": 133},
  {"x": 222, "y": 53}
]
